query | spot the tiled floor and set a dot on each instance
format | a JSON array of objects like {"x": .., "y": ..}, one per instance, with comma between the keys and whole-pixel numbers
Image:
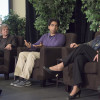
[{"x": 36, "y": 92}]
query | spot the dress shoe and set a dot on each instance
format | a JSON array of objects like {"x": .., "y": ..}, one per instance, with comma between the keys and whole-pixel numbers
[
  {"x": 75, "y": 95},
  {"x": 0, "y": 91},
  {"x": 51, "y": 71}
]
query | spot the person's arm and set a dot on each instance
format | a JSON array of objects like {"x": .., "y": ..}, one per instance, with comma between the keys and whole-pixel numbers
[
  {"x": 8, "y": 47},
  {"x": 74, "y": 45},
  {"x": 39, "y": 43},
  {"x": 96, "y": 57},
  {"x": 27, "y": 44},
  {"x": 11, "y": 43},
  {"x": 39, "y": 46},
  {"x": 89, "y": 43}
]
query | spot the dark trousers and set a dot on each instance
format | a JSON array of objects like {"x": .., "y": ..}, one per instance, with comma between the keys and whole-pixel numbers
[{"x": 79, "y": 56}]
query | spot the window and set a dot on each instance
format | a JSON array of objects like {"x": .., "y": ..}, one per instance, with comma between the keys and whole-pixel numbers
[{"x": 4, "y": 8}]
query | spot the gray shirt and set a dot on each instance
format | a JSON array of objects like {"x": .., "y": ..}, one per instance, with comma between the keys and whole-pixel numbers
[{"x": 95, "y": 43}]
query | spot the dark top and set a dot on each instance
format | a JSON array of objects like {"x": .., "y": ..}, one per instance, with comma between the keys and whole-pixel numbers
[
  {"x": 3, "y": 43},
  {"x": 9, "y": 40},
  {"x": 95, "y": 43}
]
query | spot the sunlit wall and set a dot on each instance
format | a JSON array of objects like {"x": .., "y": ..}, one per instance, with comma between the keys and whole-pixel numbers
[{"x": 4, "y": 8}]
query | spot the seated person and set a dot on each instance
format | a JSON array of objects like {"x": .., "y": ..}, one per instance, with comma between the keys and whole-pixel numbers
[
  {"x": 82, "y": 53},
  {"x": 25, "y": 63},
  {"x": 7, "y": 41}
]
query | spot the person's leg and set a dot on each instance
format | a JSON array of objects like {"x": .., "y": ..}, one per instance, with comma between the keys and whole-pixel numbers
[
  {"x": 19, "y": 67},
  {"x": 78, "y": 68},
  {"x": 75, "y": 90},
  {"x": 20, "y": 63},
  {"x": 27, "y": 69},
  {"x": 58, "y": 67},
  {"x": 29, "y": 65},
  {"x": 83, "y": 49}
]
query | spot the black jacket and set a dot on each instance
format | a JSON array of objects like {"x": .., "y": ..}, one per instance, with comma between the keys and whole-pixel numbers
[{"x": 10, "y": 40}]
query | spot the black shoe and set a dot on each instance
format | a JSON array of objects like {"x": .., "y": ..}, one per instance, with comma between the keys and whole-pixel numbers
[
  {"x": 0, "y": 91},
  {"x": 75, "y": 95},
  {"x": 51, "y": 71}
]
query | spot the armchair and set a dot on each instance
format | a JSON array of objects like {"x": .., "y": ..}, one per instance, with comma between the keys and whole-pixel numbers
[
  {"x": 7, "y": 62},
  {"x": 48, "y": 57},
  {"x": 91, "y": 75}
]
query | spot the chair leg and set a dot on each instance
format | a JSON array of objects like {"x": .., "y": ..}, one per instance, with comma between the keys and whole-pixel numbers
[
  {"x": 57, "y": 78},
  {"x": 6, "y": 76}
]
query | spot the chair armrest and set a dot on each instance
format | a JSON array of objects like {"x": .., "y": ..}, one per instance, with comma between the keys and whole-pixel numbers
[
  {"x": 66, "y": 51},
  {"x": 7, "y": 57},
  {"x": 49, "y": 56},
  {"x": 8, "y": 54}
]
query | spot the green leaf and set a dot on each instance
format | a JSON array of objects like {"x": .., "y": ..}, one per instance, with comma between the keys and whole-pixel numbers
[
  {"x": 92, "y": 10},
  {"x": 16, "y": 24},
  {"x": 60, "y": 9}
]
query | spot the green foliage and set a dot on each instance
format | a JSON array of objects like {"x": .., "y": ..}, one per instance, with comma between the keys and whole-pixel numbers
[
  {"x": 16, "y": 24},
  {"x": 46, "y": 9},
  {"x": 92, "y": 10}
]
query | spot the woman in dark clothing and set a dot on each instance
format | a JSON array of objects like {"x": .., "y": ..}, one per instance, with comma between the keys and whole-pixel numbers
[{"x": 79, "y": 56}]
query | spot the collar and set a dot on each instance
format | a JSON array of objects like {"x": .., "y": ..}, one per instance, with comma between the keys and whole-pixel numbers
[
  {"x": 51, "y": 36},
  {"x": 7, "y": 36}
]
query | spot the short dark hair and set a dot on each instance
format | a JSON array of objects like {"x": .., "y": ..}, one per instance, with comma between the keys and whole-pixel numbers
[{"x": 51, "y": 20}]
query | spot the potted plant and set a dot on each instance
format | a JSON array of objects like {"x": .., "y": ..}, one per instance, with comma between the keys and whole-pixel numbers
[
  {"x": 91, "y": 8},
  {"x": 16, "y": 24},
  {"x": 46, "y": 9}
]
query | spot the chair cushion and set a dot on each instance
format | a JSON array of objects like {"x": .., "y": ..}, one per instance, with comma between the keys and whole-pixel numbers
[{"x": 90, "y": 67}]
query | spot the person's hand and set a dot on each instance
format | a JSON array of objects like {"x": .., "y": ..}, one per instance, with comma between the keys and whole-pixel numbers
[
  {"x": 96, "y": 58},
  {"x": 8, "y": 47},
  {"x": 40, "y": 45},
  {"x": 73, "y": 45},
  {"x": 27, "y": 44}
]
